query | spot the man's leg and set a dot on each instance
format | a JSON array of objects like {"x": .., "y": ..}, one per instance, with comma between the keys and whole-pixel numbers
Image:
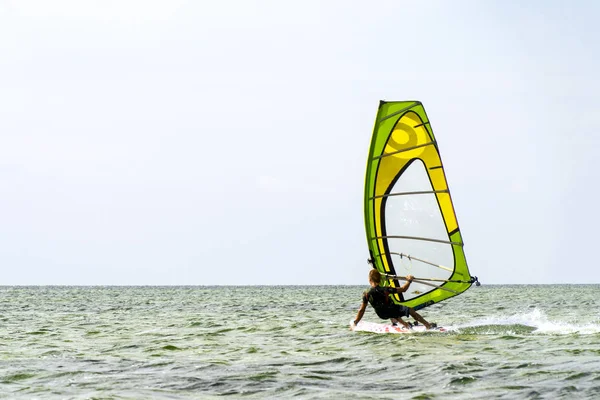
[
  {"x": 418, "y": 317},
  {"x": 401, "y": 321}
]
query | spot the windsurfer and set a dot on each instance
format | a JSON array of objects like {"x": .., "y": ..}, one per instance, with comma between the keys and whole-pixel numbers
[{"x": 385, "y": 308}]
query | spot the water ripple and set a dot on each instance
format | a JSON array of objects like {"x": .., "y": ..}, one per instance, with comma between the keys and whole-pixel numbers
[{"x": 292, "y": 342}]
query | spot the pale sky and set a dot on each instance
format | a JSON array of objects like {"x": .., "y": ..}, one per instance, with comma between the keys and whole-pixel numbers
[{"x": 225, "y": 142}]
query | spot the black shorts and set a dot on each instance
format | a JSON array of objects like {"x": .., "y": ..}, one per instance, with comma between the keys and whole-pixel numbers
[{"x": 393, "y": 311}]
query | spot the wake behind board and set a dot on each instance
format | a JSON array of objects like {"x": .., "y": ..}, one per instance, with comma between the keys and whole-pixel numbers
[{"x": 365, "y": 326}]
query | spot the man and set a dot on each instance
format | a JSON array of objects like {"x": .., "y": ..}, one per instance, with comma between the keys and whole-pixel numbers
[{"x": 379, "y": 298}]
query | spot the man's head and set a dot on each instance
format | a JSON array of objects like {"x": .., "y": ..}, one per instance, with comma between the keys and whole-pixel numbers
[{"x": 374, "y": 276}]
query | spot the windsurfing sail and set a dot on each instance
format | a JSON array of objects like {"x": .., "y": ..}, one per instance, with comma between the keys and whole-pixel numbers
[{"x": 410, "y": 221}]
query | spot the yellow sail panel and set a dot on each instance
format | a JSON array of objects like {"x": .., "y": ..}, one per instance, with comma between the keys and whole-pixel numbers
[{"x": 447, "y": 211}]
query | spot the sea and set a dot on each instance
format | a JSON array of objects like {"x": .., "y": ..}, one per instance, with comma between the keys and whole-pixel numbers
[{"x": 283, "y": 342}]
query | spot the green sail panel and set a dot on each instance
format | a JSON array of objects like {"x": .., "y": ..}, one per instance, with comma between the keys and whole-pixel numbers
[{"x": 410, "y": 221}]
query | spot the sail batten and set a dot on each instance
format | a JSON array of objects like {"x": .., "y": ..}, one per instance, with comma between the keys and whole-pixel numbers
[
  {"x": 403, "y": 150},
  {"x": 419, "y": 238},
  {"x": 409, "y": 210},
  {"x": 408, "y": 256},
  {"x": 411, "y": 193},
  {"x": 421, "y": 124},
  {"x": 416, "y": 103}
]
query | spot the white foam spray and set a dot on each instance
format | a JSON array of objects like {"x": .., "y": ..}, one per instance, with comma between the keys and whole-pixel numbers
[{"x": 535, "y": 319}]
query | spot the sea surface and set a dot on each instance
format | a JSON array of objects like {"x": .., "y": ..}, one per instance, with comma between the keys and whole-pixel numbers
[{"x": 278, "y": 342}]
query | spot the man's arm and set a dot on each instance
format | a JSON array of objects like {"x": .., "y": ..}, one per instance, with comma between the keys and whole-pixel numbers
[
  {"x": 361, "y": 312},
  {"x": 404, "y": 287}
]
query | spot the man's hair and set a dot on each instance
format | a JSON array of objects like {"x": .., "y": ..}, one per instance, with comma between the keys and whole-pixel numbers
[{"x": 375, "y": 276}]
